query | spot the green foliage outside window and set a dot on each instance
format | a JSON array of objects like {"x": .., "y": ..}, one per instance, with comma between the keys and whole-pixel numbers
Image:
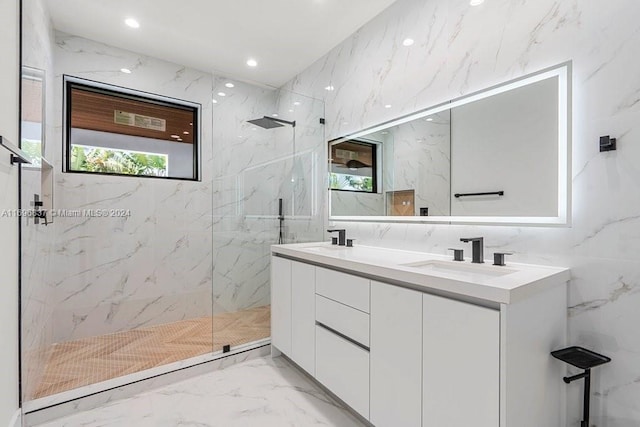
[
  {"x": 339, "y": 181},
  {"x": 107, "y": 160},
  {"x": 33, "y": 149}
]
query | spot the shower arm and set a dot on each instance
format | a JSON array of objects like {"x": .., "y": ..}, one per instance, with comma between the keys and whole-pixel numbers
[{"x": 286, "y": 122}]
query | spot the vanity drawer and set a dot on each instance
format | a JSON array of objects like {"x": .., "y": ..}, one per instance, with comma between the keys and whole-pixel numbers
[
  {"x": 343, "y": 368},
  {"x": 344, "y": 288},
  {"x": 343, "y": 319}
]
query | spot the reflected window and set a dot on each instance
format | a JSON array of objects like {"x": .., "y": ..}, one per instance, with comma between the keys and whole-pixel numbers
[
  {"x": 32, "y": 129},
  {"x": 354, "y": 166},
  {"x": 118, "y": 131}
]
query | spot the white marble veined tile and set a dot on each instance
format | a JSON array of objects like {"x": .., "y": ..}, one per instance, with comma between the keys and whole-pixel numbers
[
  {"x": 262, "y": 392},
  {"x": 460, "y": 49}
]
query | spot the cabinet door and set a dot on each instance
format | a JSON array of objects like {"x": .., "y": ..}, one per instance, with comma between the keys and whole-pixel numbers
[
  {"x": 461, "y": 361},
  {"x": 396, "y": 356},
  {"x": 281, "y": 304},
  {"x": 303, "y": 320}
]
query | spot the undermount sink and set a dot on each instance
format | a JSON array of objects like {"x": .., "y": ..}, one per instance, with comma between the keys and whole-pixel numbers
[{"x": 460, "y": 267}]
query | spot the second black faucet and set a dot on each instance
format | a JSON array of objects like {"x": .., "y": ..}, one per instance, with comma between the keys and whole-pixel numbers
[
  {"x": 477, "y": 248},
  {"x": 342, "y": 235}
]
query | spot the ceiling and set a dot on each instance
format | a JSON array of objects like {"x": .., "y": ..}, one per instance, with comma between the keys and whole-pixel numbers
[{"x": 283, "y": 36}]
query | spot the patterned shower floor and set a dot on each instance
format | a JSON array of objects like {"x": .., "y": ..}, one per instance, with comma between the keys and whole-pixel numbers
[{"x": 87, "y": 361}]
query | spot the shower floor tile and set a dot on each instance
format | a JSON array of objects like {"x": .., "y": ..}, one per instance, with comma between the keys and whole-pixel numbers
[
  {"x": 87, "y": 361},
  {"x": 263, "y": 392}
]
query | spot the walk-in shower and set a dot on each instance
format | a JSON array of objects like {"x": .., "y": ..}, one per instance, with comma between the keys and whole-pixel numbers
[{"x": 141, "y": 275}]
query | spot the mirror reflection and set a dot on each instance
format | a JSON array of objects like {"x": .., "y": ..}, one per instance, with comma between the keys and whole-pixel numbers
[
  {"x": 32, "y": 129},
  {"x": 497, "y": 153}
]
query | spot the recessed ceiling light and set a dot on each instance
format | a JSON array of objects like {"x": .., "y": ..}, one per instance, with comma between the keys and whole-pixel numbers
[
  {"x": 179, "y": 139},
  {"x": 125, "y": 70},
  {"x": 407, "y": 42},
  {"x": 274, "y": 115},
  {"x": 384, "y": 132},
  {"x": 296, "y": 103},
  {"x": 214, "y": 101},
  {"x": 190, "y": 124},
  {"x": 175, "y": 136},
  {"x": 252, "y": 62},
  {"x": 229, "y": 85},
  {"x": 186, "y": 132},
  {"x": 222, "y": 94},
  {"x": 132, "y": 23},
  {"x": 476, "y": 2},
  {"x": 329, "y": 88},
  {"x": 429, "y": 119},
  {"x": 387, "y": 106}
]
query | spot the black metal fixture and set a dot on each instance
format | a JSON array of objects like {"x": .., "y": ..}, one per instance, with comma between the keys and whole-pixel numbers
[
  {"x": 342, "y": 234},
  {"x": 350, "y": 243},
  {"x": 477, "y": 249},
  {"x": 607, "y": 143},
  {"x": 38, "y": 213},
  {"x": 584, "y": 359},
  {"x": 458, "y": 254},
  {"x": 498, "y": 257},
  {"x": 322, "y": 121},
  {"x": 490, "y": 193},
  {"x": 268, "y": 122},
  {"x": 281, "y": 222},
  {"x": 17, "y": 155},
  {"x": 424, "y": 211},
  {"x": 226, "y": 348}
]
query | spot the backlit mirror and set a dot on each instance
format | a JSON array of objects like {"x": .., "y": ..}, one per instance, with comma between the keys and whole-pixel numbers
[{"x": 496, "y": 156}]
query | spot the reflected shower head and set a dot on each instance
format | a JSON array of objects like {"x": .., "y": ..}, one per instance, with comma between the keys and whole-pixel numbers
[{"x": 267, "y": 122}]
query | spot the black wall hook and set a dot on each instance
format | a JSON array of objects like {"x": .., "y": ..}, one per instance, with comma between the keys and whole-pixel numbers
[{"x": 607, "y": 143}]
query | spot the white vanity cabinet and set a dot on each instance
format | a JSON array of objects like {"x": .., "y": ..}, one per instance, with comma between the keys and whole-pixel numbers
[
  {"x": 421, "y": 350},
  {"x": 342, "y": 336},
  {"x": 303, "y": 315},
  {"x": 293, "y": 311},
  {"x": 396, "y": 356},
  {"x": 460, "y": 363},
  {"x": 281, "y": 304}
]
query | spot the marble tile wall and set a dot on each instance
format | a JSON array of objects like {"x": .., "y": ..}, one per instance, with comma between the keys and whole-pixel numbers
[
  {"x": 460, "y": 49},
  {"x": 154, "y": 266},
  {"x": 253, "y": 168}
]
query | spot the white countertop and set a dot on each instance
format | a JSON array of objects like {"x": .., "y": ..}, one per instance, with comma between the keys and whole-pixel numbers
[{"x": 508, "y": 284}]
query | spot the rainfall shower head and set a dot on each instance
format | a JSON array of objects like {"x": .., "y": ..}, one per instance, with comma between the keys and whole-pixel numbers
[{"x": 267, "y": 122}]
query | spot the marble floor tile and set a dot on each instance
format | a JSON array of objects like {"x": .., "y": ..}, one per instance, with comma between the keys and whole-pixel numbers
[{"x": 262, "y": 392}]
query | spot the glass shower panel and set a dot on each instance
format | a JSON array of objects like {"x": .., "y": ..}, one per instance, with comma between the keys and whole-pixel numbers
[
  {"x": 117, "y": 280},
  {"x": 261, "y": 169}
]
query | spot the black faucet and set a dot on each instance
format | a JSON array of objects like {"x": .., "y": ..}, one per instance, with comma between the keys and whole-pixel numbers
[
  {"x": 477, "y": 249},
  {"x": 342, "y": 235}
]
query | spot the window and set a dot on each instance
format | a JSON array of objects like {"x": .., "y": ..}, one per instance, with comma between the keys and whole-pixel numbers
[
  {"x": 117, "y": 131},
  {"x": 353, "y": 166},
  {"x": 32, "y": 131}
]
